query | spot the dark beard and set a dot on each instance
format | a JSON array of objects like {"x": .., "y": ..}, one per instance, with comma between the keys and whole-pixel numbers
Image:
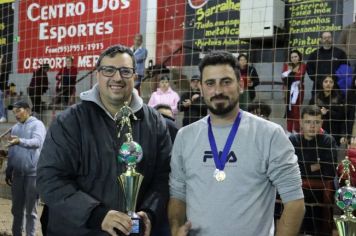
[{"x": 221, "y": 110}]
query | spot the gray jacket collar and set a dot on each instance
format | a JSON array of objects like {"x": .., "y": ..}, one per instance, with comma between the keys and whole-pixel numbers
[{"x": 92, "y": 95}]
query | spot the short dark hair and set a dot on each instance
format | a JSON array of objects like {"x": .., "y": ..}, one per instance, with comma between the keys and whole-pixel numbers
[
  {"x": 163, "y": 106},
  {"x": 164, "y": 77},
  {"x": 195, "y": 77},
  {"x": 113, "y": 51},
  {"x": 139, "y": 35},
  {"x": 312, "y": 110},
  {"x": 264, "y": 108},
  {"x": 219, "y": 58}
]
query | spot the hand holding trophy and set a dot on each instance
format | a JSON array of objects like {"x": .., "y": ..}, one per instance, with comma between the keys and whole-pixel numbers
[
  {"x": 130, "y": 153},
  {"x": 345, "y": 199}
]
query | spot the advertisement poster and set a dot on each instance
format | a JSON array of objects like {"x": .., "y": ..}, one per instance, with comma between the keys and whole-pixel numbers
[
  {"x": 6, "y": 42},
  {"x": 211, "y": 25},
  {"x": 51, "y": 30},
  {"x": 305, "y": 21}
]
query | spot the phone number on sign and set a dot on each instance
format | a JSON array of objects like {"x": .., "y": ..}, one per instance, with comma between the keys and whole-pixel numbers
[{"x": 75, "y": 48}]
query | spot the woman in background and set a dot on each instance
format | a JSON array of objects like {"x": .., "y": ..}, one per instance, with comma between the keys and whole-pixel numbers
[
  {"x": 332, "y": 107},
  {"x": 293, "y": 86},
  {"x": 250, "y": 81}
]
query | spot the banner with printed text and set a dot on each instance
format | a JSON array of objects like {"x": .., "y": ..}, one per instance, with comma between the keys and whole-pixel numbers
[
  {"x": 307, "y": 19},
  {"x": 211, "y": 25},
  {"x": 6, "y": 42},
  {"x": 51, "y": 30}
]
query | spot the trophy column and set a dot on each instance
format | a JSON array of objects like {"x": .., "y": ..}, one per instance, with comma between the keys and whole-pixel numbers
[
  {"x": 345, "y": 199},
  {"x": 130, "y": 153}
]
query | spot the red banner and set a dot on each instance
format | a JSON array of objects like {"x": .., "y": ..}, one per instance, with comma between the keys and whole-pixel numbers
[
  {"x": 170, "y": 32},
  {"x": 51, "y": 30}
]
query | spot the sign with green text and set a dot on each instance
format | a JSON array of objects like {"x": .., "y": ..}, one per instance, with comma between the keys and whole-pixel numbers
[
  {"x": 307, "y": 19},
  {"x": 213, "y": 25}
]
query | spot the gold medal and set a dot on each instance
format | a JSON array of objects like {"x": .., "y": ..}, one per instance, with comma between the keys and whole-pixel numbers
[{"x": 220, "y": 175}]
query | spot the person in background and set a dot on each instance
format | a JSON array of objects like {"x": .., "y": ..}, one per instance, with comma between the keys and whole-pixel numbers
[
  {"x": 333, "y": 109},
  {"x": 324, "y": 61},
  {"x": 260, "y": 109},
  {"x": 2, "y": 108},
  {"x": 347, "y": 43},
  {"x": 165, "y": 95},
  {"x": 25, "y": 144},
  {"x": 150, "y": 82},
  {"x": 5, "y": 70},
  {"x": 78, "y": 168},
  {"x": 192, "y": 103},
  {"x": 140, "y": 56},
  {"x": 250, "y": 78},
  {"x": 317, "y": 158},
  {"x": 228, "y": 165},
  {"x": 66, "y": 82},
  {"x": 3, "y": 87},
  {"x": 351, "y": 109},
  {"x": 167, "y": 113},
  {"x": 293, "y": 83},
  {"x": 38, "y": 86}
]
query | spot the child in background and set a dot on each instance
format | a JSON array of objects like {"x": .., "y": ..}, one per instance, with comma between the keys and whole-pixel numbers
[{"x": 165, "y": 95}]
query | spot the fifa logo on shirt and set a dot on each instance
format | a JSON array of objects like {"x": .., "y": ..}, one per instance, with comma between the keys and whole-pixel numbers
[{"x": 231, "y": 157}]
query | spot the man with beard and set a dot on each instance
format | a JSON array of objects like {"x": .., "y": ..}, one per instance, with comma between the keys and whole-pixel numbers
[
  {"x": 226, "y": 167},
  {"x": 324, "y": 61}
]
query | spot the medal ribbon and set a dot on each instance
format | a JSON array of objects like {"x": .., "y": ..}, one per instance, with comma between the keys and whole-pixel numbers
[{"x": 220, "y": 162}]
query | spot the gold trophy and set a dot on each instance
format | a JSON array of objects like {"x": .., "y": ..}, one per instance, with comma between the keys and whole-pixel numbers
[
  {"x": 130, "y": 153},
  {"x": 345, "y": 199}
]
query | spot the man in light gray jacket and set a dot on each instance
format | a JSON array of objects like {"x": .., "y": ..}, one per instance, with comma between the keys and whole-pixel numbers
[{"x": 25, "y": 145}]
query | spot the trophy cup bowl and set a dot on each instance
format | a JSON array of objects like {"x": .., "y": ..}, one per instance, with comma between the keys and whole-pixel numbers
[
  {"x": 345, "y": 199},
  {"x": 130, "y": 153}
]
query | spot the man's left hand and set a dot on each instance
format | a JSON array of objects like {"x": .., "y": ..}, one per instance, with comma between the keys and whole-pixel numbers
[{"x": 146, "y": 222}]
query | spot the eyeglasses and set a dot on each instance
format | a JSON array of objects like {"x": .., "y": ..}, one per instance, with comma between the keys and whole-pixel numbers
[
  {"x": 110, "y": 71},
  {"x": 314, "y": 122}
]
